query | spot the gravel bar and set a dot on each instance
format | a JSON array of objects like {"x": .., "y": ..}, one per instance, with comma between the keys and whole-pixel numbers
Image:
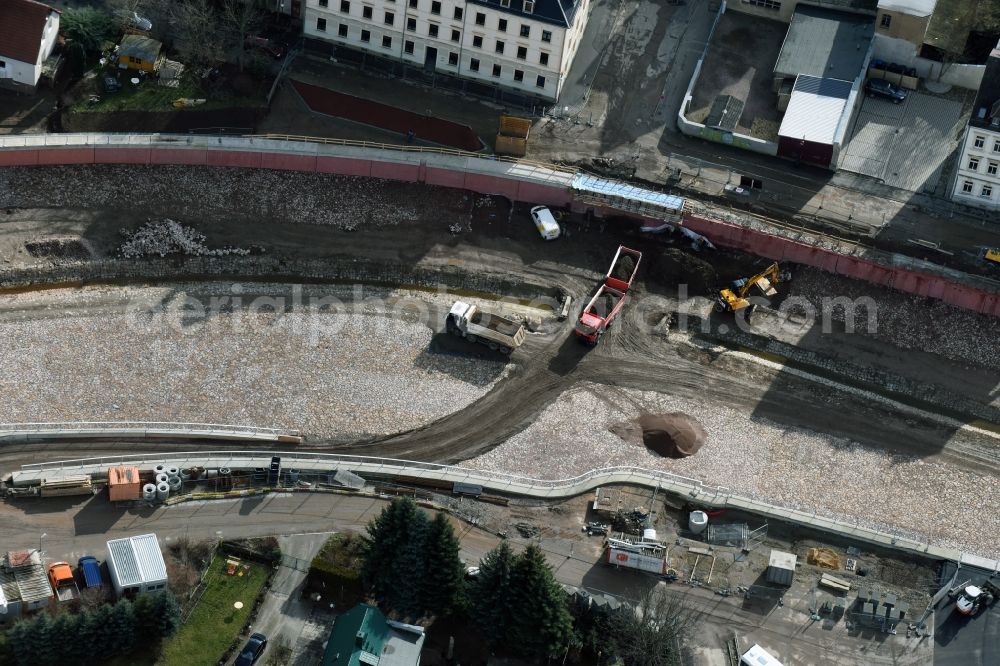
[
  {"x": 756, "y": 458},
  {"x": 338, "y": 376}
]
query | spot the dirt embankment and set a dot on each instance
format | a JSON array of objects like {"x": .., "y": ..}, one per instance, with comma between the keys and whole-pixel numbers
[{"x": 162, "y": 121}]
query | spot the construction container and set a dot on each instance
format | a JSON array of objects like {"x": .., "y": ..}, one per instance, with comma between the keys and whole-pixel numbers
[
  {"x": 781, "y": 567},
  {"x": 512, "y": 139},
  {"x": 124, "y": 483}
]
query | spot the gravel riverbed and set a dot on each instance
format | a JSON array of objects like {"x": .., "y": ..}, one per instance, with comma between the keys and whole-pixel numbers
[
  {"x": 339, "y": 376},
  {"x": 757, "y": 458}
]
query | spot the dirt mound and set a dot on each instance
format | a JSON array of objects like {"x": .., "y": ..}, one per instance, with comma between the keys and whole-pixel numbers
[
  {"x": 672, "y": 435},
  {"x": 624, "y": 267},
  {"x": 674, "y": 267},
  {"x": 58, "y": 248}
]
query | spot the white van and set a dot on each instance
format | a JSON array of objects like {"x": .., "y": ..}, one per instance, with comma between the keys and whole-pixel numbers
[{"x": 545, "y": 223}]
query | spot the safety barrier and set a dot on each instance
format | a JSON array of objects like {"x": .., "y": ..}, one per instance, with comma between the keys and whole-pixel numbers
[
  {"x": 518, "y": 180},
  {"x": 41, "y": 432},
  {"x": 551, "y": 489}
]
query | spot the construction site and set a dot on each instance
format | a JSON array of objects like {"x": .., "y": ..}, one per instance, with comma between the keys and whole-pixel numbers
[{"x": 392, "y": 320}]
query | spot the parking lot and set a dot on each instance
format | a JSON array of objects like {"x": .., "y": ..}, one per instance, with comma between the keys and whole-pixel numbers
[{"x": 885, "y": 138}]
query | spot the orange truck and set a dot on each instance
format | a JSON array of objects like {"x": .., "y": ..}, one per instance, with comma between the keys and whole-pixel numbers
[{"x": 63, "y": 582}]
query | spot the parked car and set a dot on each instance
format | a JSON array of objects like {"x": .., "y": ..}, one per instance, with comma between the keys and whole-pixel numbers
[
  {"x": 882, "y": 88},
  {"x": 269, "y": 46},
  {"x": 132, "y": 19},
  {"x": 545, "y": 222},
  {"x": 471, "y": 572},
  {"x": 90, "y": 570},
  {"x": 252, "y": 650}
]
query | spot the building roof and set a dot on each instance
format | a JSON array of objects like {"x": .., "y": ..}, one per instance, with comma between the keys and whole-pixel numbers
[
  {"x": 950, "y": 24},
  {"x": 986, "y": 108},
  {"x": 22, "y": 23},
  {"x": 725, "y": 113},
  {"x": 815, "y": 109},
  {"x": 613, "y": 188},
  {"x": 140, "y": 46},
  {"x": 782, "y": 560},
  {"x": 825, "y": 43},
  {"x": 27, "y": 571},
  {"x": 909, "y": 7},
  {"x": 362, "y": 635},
  {"x": 557, "y": 12},
  {"x": 137, "y": 560},
  {"x": 126, "y": 474}
]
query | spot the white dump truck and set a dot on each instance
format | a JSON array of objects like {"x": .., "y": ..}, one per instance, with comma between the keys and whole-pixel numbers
[{"x": 493, "y": 330}]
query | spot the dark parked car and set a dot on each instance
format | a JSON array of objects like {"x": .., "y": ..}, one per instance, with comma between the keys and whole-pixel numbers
[
  {"x": 881, "y": 88},
  {"x": 273, "y": 48},
  {"x": 111, "y": 84},
  {"x": 252, "y": 650}
]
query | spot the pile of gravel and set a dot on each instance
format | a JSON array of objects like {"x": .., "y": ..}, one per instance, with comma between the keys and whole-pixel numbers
[{"x": 166, "y": 237}]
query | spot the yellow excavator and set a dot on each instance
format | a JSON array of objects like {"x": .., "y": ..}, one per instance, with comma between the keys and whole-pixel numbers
[{"x": 734, "y": 298}]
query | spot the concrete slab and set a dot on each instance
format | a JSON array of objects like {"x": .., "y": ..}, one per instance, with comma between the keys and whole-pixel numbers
[{"x": 886, "y": 137}]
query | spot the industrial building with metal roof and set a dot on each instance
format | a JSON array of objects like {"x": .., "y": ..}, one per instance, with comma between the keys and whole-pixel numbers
[
  {"x": 826, "y": 43},
  {"x": 136, "y": 565}
]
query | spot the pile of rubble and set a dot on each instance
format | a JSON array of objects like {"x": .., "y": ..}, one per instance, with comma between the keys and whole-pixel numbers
[{"x": 166, "y": 237}]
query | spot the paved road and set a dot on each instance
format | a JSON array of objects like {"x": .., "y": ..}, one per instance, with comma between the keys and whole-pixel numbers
[{"x": 74, "y": 529}]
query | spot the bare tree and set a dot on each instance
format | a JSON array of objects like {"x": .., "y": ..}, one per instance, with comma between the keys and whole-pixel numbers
[
  {"x": 196, "y": 27},
  {"x": 241, "y": 18},
  {"x": 651, "y": 634}
]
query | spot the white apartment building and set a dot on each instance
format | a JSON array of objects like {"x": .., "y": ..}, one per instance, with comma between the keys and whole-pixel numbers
[
  {"x": 28, "y": 31},
  {"x": 977, "y": 174},
  {"x": 523, "y": 47}
]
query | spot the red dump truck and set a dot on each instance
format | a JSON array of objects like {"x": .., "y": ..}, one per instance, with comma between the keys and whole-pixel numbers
[{"x": 610, "y": 297}]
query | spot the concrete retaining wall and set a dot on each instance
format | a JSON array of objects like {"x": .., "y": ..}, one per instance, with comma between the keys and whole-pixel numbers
[
  {"x": 519, "y": 181},
  {"x": 504, "y": 483}
]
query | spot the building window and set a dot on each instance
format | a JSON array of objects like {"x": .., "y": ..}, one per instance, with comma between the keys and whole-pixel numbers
[
  {"x": 546, "y": 35},
  {"x": 973, "y": 164},
  {"x": 522, "y": 52},
  {"x": 411, "y": 24},
  {"x": 366, "y": 36},
  {"x": 432, "y": 30},
  {"x": 505, "y": 4},
  {"x": 967, "y": 187},
  {"x": 453, "y": 59},
  {"x": 324, "y": 3},
  {"x": 435, "y": 7},
  {"x": 366, "y": 12},
  {"x": 321, "y": 24},
  {"x": 502, "y": 25},
  {"x": 408, "y": 47},
  {"x": 386, "y": 42},
  {"x": 766, "y": 4},
  {"x": 456, "y": 36},
  {"x": 986, "y": 192},
  {"x": 979, "y": 142},
  {"x": 543, "y": 58},
  {"x": 414, "y": 3},
  {"x": 477, "y": 41},
  {"x": 390, "y": 18},
  {"x": 529, "y": 6},
  {"x": 525, "y": 30},
  {"x": 499, "y": 46},
  {"x": 496, "y": 71},
  {"x": 518, "y": 75},
  {"x": 342, "y": 30},
  {"x": 480, "y": 18},
  {"x": 540, "y": 82},
  {"x": 996, "y": 146},
  {"x": 474, "y": 66},
  {"x": 345, "y": 6},
  {"x": 886, "y": 20},
  {"x": 992, "y": 168},
  {"x": 458, "y": 13}
]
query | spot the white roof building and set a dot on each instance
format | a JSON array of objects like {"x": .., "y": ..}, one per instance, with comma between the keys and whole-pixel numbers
[{"x": 136, "y": 565}]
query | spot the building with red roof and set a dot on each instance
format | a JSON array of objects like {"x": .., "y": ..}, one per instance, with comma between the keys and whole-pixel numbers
[{"x": 28, "y": 32}]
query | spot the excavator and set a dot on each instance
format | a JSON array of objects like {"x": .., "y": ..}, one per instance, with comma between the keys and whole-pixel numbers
[{"x": 734, "y": 298}]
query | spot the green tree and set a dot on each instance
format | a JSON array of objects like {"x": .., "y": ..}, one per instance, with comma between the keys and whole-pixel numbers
[
  {"x": 156, "y": 615},
  {"x": 649, "y": 634},
  {"x": 540, "y": 625},
  {"x": 404, "y": 594},
  {"x": 444, "y": 578},
  {"x": 123, "y": 627},
  {"x": 386, "y": 535},
  {"x": 76, "y": 58},
  {"x": 87, "y": 26},
  {"x": 490, "y": 595}
]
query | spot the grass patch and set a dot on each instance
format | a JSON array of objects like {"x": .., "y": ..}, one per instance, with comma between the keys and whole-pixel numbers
[
  {"x": 149, "y": 96},
  {"x": 215, "y": 624}
]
